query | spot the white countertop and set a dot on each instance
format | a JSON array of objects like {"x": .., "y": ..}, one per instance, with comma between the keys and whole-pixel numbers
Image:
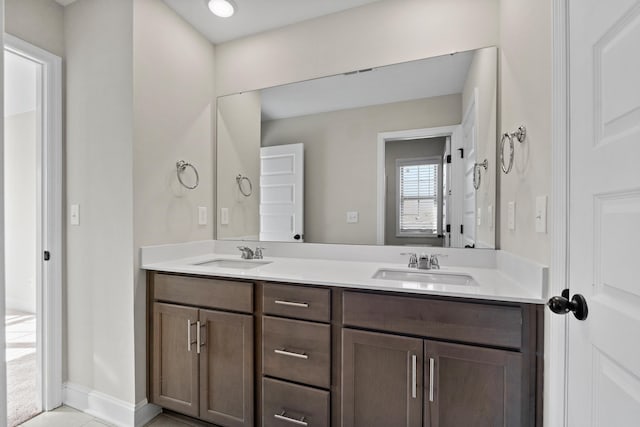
[{"x": 492, "y": 283}]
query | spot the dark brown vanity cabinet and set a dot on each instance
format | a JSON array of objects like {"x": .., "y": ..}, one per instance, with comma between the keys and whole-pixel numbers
[
  {"x": 202, "y": 359},
  {"x": 400, "y": 381},
  {"x": 223, "y": 350},
  {"x": 414, "y": 380}
]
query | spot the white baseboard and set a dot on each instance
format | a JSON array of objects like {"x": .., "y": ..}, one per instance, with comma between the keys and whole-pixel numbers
[{"x": 108, "y": 408}]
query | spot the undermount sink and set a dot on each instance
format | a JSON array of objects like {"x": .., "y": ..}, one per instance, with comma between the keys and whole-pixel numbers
[
  {"x": 240, "y": 264},
  {"x": 426, "y": 277}
]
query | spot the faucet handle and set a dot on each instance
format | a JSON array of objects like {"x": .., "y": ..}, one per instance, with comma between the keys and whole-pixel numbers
[
  {"x": 435, "y": 262},
  {"x": 247, "y": 253},
  {"x": 413, "y": 260},
  {"x": 257, "y": 254}
]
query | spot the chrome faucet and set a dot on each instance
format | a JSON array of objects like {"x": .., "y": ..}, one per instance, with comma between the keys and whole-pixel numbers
[
  {"x": 257, "y": 254},
  {"x": 413, "y": 260},
  {"x": 247, "y": 253}
]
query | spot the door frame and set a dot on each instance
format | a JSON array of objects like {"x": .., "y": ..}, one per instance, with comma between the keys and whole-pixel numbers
[
  {"x": 49, "y": 293},
  {"x": 406, "y": 135},
  {"x": 555, "y": 366}
]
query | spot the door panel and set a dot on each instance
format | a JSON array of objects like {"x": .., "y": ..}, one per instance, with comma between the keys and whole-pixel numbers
[
  {"x": 381, "y": 380},
  {"x": 604, "y": 364},
  {"x": 472, "y": 386},
  {"x": 174, "y": 382},
  {"x": 281, "y": 192},
  {"x": 226, "y": 368}
]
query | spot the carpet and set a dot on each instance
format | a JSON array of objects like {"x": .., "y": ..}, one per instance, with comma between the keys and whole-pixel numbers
[{"x": 21, "y": 389}]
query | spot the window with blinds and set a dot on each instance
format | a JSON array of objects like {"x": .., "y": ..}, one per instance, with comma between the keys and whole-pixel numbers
[{"x": 417, "y": 194}]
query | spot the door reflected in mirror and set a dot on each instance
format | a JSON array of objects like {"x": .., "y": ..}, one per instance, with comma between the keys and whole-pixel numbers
[{"x": 378, "y": 156}]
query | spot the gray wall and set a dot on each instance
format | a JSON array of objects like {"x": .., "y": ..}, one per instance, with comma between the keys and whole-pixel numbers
[{"x": 394, "y": 150}]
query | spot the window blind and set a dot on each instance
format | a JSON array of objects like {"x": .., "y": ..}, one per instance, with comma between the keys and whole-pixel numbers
[{"x": 418, "y": 190}]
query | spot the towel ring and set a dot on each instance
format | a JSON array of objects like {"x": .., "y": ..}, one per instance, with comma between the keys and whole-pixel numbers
[
  {"x": 477, "y": 173},
  {"x": 181, "y": 165},
  {"x": 520, "y": 135},
  {"x": 239, "y": 180}
]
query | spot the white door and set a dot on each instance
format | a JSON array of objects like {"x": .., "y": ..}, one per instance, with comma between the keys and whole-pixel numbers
[
  {"x": 604, "y": 350},
  {"x": 282, "y": 193},
  {"x": 469, "y": 132}
]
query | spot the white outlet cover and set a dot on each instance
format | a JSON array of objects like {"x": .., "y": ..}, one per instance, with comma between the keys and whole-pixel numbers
[
  {"x": 352, "y": 217},
  {"x": 202, "y": 215},
  {"x": 224, "y": 216},
  {"x": 511, "y": 215},
  {"x": 479, "y": 216}
]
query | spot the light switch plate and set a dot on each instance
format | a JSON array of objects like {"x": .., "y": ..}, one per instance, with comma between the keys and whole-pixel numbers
[
  {"x": 479, "y": 217},
  {"x": 352, "y": 217},
  {"x": 224, "y": 216},
  {"x": 511, "y": 215},
  {"x": 541, "y": 214},
  {"x": 202, "y": 215},
  {"x": 74, "y": 214}
]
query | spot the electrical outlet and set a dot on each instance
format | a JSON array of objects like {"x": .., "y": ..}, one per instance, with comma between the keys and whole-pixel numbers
[
  {"x": 352, "y": 217},
  {"x": 202, "y": 215},
  {"x": 511, "y": 215},
  {"x": 224, "y": 216},
  {"x": 479, "y": 217},
  {"x": 74, "y": 214}
]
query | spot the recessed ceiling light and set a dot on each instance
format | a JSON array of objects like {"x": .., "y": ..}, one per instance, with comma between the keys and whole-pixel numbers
[{"x": 222, "y": 8}]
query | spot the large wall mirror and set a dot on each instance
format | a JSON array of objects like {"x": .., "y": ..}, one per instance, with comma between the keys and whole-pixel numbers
[{"x": 396, "y": 155}]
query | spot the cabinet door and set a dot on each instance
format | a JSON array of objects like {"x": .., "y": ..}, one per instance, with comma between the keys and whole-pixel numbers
[
  {"x": 226, "y": 368},
  {"x": 174, "y": 380},
  {"x": 381, "y": 380},
  {"x": 472, "y": 386}
]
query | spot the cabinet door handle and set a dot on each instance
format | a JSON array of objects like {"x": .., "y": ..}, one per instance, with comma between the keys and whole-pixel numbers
[
  {"x": 283, "y": 416},
  {"x": 284, "y": 352},
  {"x": 292, "y": 304},
  {"x": 198, "y": 336},
  {"x": 431, "y": 373},
  {"x": 414, "y": 376},
  {"x": 189, "y": 335}
]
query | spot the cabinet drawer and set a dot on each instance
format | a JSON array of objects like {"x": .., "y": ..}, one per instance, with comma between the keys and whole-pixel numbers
[
  {"x": 299, "y": 302},
  {"x": 212, "y": 293},
  {"x": 287, "y": 405},
  {"x": 494, "y": 325},
  {"x": 297, "y": 351}
]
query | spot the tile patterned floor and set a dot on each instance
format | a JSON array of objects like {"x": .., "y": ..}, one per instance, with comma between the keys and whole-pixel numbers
[{"x": 68, "y": 417}]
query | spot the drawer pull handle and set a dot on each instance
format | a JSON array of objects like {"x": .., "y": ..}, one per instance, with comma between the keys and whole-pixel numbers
[
  {"x": 431, "y": 373},
  {"x": 414, "y": 376},
  {"x": 292, "y": 304},
  {"x": 189, "y": 342},
  {"x": 198, "y": 337},
  {"x": 284, "y": 352},
  {"x": 283, "y": 416}
]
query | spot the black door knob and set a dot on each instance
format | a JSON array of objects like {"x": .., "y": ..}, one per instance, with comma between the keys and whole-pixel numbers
[
  {"x": 296, "y": 237},
  {"x": 562, "y": 305}
]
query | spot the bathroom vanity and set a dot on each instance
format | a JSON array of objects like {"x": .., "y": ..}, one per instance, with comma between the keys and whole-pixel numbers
[{"x": 245, "y": 351}]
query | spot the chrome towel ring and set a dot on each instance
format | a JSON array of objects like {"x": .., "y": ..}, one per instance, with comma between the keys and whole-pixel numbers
[
  {"x": 181, "y": 165},
  {"x": 520, "y": 135},
  {"x": 477, "y": 173},
  {"x": 240, "y": 179}
]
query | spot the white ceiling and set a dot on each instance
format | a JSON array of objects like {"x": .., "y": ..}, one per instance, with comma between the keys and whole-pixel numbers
[
  {"x": 443, "y": 75},
  {"x": 19, "y": 84},
  {"x": 255, "y": 16}
]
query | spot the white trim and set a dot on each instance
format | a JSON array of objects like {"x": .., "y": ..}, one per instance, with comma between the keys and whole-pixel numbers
[
  {"x": 108, "y": 408},
  {"x": 50, "y": 297},
  {"x": 383, "y": 137},
  {"x": 3, "y": 371},
  {"x": 555, "y": 369}
]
